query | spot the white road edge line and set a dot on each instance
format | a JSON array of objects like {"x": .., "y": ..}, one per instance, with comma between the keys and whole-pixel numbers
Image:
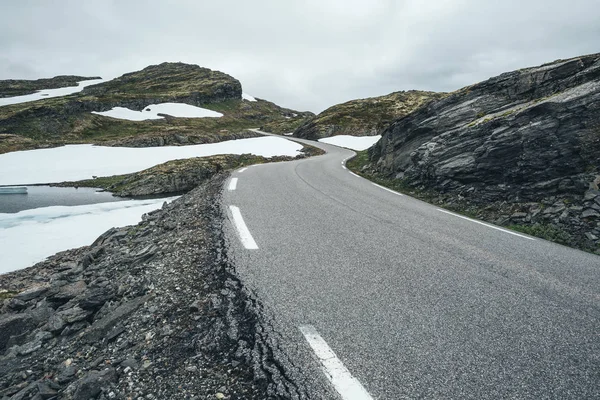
[
  {"x": 243, "y": 169},
  {"x": 343, "y": 166},
  {"x": 243, "y": 232},
  {"x": 233, "y": 184},
  {"x": 354, "y": 174},
  {"x": 346, "y": 385},
  {"x": 389, "y": 190},
  {"x": 484, "y": 224}
]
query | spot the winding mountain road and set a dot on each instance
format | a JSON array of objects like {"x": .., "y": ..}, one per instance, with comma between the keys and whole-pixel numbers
[{"x": 394, "y": 298}]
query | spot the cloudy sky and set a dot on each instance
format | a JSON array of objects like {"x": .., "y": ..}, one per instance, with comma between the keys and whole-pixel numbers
[{"x": 306, "y": 55}]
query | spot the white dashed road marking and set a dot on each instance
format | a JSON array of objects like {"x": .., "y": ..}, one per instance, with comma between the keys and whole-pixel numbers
[
  {"x": 346, "y": 385},
  {"x": 233, "y": 184},
  {"x": 484, "y": 224},
  {"x": 243, "y": 232}
]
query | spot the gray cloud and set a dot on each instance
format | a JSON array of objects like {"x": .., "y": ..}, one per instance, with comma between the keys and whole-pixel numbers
[{"x": 304, "y": 55}]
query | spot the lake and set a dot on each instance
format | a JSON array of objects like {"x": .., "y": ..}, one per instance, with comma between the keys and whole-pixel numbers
[{"x": 46, "y": 196}]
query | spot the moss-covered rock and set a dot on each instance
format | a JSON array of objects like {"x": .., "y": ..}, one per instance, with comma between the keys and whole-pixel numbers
[{"x": 364, "y": 117}]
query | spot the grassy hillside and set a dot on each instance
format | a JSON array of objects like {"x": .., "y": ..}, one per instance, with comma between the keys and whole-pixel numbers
[
  {"x": 69, "y": 119},
  {"x": 20, "y": 87},
  {"x": 364, "y": 116}
]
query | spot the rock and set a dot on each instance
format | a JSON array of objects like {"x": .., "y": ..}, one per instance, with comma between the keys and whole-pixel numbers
[
  {"x": 74, "y": 314},
  {"x": 45, "y": 392},
  {"x": 102, "y": 327},
  {"x": 14, "y": 325},
  {"x": 590, "y": 213},
  {"x": 92, "y": 384},
  {"x": 76, "y": 327},
  {"x": 29, "y": 348},
  {"x": 591, "y": 236},
  {"x": 196, "y": 306},
  {"x": 68, "y": 292},
  {"x": 66, "y": 374},
  {"x": 518, "y": 215},
  {"x": 32, "y": 293},
  {"x": 95, "y": 298},
  {"x": 55, "y": 324},
  {"x": 591, "y": 195},
  {"x": 16, "y": 304},
  {"x": 130, "y": 363}
]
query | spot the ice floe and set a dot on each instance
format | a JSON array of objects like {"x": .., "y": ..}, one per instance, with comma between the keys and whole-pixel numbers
[
  {"x": 178, "y": 110},
  {"x": 76, "y": 162},
  {"x": 357, "y": 143}
]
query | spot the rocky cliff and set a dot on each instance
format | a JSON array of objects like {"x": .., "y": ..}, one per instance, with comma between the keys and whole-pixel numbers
[
  {"x": 529, "y": 138},
  {"x": 364, "y": 117}
]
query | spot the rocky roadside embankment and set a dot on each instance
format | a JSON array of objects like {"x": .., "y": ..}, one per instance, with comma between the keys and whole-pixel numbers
[
  {"x": 178, "y": 176},
  {"x": 521, "y": 149},
  {"x": 150, "y": 311}
]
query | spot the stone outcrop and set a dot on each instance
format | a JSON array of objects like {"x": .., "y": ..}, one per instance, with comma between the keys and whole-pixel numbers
[
  {"x": 178, "y": 176},
  {"x": 529, "y": 136},
  {"x": 363, "y": 117},
  {"x": 163, "y": 83}
]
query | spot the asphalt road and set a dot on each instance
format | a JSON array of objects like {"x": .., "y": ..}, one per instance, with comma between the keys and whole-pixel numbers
[{"x": 415, "y": 302}]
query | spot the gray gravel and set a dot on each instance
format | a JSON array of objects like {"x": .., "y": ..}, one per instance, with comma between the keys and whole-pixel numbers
[{"x": 416, "y": 303}]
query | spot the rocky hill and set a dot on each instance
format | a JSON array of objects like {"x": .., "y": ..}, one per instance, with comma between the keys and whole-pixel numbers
[
  {"x": 364, "y": 117},
  {"x": 69, "y": 119},
  {"x": 525, "y": 143},
  {"x": 20, "y": 87}
]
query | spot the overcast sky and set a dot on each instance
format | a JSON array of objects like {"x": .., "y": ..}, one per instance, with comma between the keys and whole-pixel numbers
[{"x": 306, "y": 55}]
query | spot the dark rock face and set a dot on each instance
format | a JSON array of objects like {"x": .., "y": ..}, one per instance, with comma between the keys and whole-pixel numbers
[{"x": 521, "y": 136}]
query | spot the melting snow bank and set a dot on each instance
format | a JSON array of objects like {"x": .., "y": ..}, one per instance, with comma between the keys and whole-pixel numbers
[
  {"x": 30, "y": 236},
  {"x": 246, "y": 96},
  {"x": 77, "y": 162},
  {"x": 178, "y": 110},
  {"x": 49, "y": 93},
  {"x": 357, "y": 143}
]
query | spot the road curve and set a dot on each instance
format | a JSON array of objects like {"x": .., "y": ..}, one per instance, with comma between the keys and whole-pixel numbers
[{"x": 415, "y": 302}]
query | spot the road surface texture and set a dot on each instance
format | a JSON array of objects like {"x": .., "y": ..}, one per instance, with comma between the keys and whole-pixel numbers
[{"x": 416, "y": 303}]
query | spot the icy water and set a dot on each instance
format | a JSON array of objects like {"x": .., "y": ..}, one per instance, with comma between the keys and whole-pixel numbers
[{"x": 46, "y": 196}]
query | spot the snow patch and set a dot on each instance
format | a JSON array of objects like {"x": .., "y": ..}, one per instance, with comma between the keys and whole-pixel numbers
[
  {"x": 31, "y": 236},
  {"x": 178, "y": 110},
  {"x": 77, "y": 162},
  {"x": 357, "y": 143},
  {"x": 246, "y": 96},
  {"x": 49, "y": 93}
]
